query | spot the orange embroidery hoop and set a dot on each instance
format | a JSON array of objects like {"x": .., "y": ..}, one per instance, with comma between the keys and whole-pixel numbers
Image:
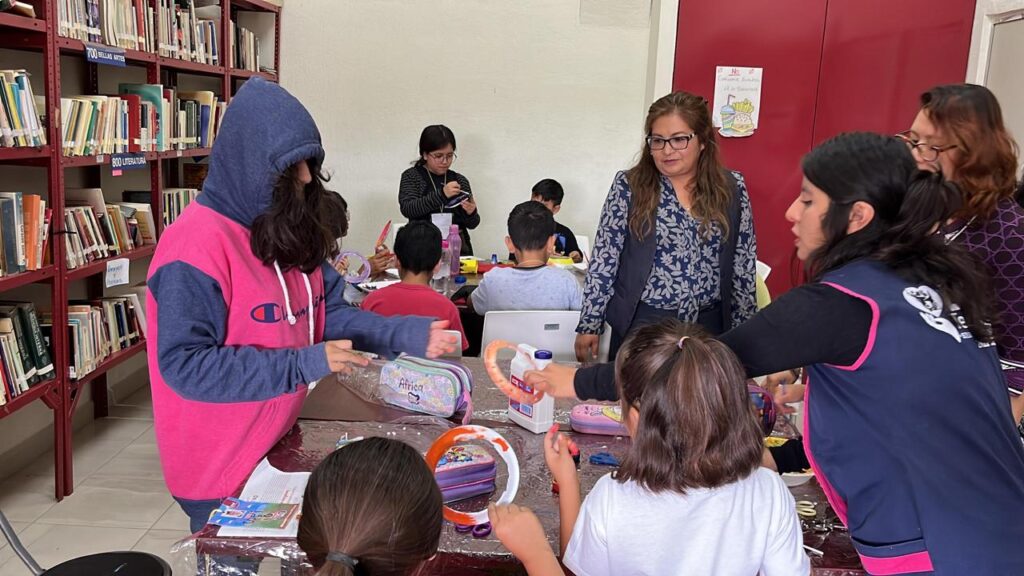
[
  {"x": 499, "y": 379},
  {"x": 501, "y": 446}
]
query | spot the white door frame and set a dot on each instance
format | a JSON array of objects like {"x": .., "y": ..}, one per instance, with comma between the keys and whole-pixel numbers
[{"x": 986, "y": 16}]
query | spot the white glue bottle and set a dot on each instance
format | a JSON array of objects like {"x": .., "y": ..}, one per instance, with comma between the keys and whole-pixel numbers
[{"x": 536, "y": 418}]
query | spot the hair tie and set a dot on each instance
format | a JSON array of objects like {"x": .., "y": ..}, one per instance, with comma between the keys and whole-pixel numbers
[
  {"x": 681, "y": 340},
  {"x": 342, "y": 558}
]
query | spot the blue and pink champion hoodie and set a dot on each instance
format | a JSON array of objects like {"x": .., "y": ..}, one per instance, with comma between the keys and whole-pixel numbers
[{"x": 231, "y": 346}]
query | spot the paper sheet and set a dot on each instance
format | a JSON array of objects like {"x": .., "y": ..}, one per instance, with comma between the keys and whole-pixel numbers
[
  {"x": 737, "y": 106},
  {"x": 268, "y": 484}
]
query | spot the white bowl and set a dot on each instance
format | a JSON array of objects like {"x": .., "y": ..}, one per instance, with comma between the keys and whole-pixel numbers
[{"x": 797, "y": 478}]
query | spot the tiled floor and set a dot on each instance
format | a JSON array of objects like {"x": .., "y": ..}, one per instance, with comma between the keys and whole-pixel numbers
[{"x": 119, "y": 503}]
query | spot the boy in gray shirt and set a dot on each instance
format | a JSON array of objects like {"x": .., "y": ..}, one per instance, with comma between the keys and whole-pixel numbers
[{"x": 532, "y": 284}]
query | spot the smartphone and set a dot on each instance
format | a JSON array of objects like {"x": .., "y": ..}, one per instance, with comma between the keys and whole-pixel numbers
[{"x": 457, "y": 199}]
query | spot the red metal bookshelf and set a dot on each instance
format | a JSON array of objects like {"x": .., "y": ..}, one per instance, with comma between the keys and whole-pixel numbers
[{"x": 35, "y": 35}]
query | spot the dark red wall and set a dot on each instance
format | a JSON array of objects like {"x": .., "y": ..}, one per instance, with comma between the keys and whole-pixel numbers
[{"x": 829, "y": 66}]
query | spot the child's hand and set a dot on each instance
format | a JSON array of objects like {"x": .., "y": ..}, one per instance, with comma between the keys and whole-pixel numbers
[
  {"x": 380, "y": 261},
  {"x": 440, "y": 342},
  {"x": 558, "y": 458},
  {"x": 341, "y": 265},
  {"x": 555, "y": 379},
  {"x": 520, "y": 531},
  {"x": 576, "y": 256},
  {"x": 784, "y": 395},
  {"x": 340, "y": 358}
]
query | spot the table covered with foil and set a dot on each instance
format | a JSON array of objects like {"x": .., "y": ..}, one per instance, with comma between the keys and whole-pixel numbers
[{"x": 359, "y": 415}]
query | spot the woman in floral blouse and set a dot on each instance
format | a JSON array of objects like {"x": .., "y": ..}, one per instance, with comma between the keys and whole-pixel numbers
[{"x": 676, "y": 236}]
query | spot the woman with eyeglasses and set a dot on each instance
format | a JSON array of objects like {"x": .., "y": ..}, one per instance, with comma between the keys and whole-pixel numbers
[
  {"x": 676, "y": 235},
  {"x": 906, "y": 422},
  {"x": 959, "y": 132},
  {"x": 430, "y": 186}
]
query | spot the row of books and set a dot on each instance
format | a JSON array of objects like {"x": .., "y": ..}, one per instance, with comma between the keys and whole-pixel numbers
[
  {"x": 142, "y": 118},
  {"x": 24, "y": 232},
  {"x": 121, "y": 23},
  {"x": 99, "y": 328},
  {"x": 244, "y": 52},
  {"x": 97, "y": 230},
  {"x": 171, "y": 28},
  {"x": 174, "y": 201},
  {"x": 20, "y": 122},
  {"x": 187, "y": 32},
  {"x": 25, "y": 358}
]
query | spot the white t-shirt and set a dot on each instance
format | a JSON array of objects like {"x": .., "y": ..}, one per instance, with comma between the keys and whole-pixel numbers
[
  {"x": 745, "y": 528},
  {"x": 543, "y": 288}
]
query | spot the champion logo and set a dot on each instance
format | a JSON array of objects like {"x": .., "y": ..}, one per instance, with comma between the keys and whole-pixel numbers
[
  {"x": 270, "y": 312},
  {"x": 266, "y": 313}
]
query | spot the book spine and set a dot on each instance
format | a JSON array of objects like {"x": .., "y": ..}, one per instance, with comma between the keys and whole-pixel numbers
[{"x": 28, "y": 367}]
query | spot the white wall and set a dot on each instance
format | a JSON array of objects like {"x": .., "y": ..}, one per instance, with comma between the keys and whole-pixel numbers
[{"x": 532, "y": 89}]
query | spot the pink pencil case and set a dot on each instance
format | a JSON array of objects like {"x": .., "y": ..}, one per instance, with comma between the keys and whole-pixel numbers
[
  {"x": 465, "y": 471},
  {"x": 604, "y": 419}
]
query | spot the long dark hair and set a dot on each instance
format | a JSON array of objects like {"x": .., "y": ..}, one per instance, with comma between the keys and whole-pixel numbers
[
  {"x": 334, "y": 213},
  {"x": 697, "y": 427},
  {"x": 294, "y": 231},
  {"x": 986, "y": 166},
  {"x": 375, "y": 501},
  {"x": 434, "y": 137},
  {"x": 910, "y": 205},
  {"x": 711, "y": 195}
]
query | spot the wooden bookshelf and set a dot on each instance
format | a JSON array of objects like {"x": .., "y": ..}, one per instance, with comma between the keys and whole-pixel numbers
[
  {"x": 98, "y": 160},
  {"x": 39, "y": 35},
  {"x": 25, "y": 154},
  {"x": 17, "y": 22},
  {"x": 192, "y": 67},
  {"x": 12, "y": 281},
  {"x": 72, "y": 46},
  {"x": 111, "y": 361},
  {"x": 236, "y": 73},
  {"x": 99, "y": 266}
]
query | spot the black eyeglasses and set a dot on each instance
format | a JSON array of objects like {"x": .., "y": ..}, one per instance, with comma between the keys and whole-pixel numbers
[
  {"x": 927, "y": 152},
  {"x": 676, "y": 142}
]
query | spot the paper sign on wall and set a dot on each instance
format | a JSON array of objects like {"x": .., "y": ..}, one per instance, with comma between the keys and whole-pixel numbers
[{"x": 737, "y": 105}]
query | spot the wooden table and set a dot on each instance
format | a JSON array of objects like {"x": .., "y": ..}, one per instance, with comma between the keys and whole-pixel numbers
[{"x": 312, "y": 440}]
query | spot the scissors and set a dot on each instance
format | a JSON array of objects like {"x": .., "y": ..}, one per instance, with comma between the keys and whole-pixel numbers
[
  {"x": 604, "y": 459},
  {"x": 805, "y": 509},
  {"x": 478, "y": 531}
]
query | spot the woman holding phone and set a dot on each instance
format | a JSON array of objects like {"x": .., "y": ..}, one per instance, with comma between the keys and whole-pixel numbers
[{"x": 431, "y": 187}]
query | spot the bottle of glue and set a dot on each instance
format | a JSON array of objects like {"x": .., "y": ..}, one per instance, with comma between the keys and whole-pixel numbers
[{"x": 536, "y": 418}]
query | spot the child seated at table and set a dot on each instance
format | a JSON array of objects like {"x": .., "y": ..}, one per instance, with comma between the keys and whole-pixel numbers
[
  {"x": 550, "y": 193},
  {"x": 418, "y": 251},
  {"x": 532, "y": 284},
  {"x": 371, "y": 507},
  {"x": 334, "y": 211},
  {"x": 690, "y": 496}
]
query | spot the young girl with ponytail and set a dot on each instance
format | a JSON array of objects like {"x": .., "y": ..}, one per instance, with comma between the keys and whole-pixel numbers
[
  {"x": 907, "y": 422},
  {"x": 371, "y": 508}
]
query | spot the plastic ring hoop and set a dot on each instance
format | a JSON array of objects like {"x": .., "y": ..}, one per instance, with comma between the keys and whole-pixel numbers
[
  {"x": 355, "y": 278},
  {"x": 501, "y": 446}
]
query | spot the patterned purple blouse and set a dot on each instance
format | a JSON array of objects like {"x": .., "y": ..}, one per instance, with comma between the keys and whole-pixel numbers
[{"x": 1000, "y": 243}]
